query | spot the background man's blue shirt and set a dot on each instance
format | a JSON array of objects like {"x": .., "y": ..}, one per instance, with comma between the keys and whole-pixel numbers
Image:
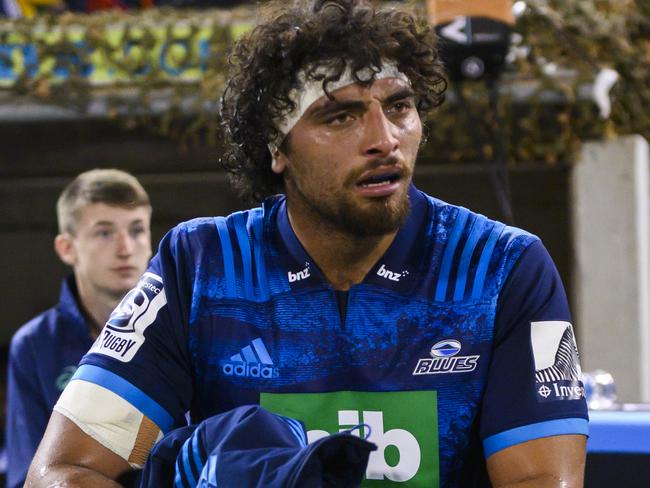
[{"x": 43, "y": 356}]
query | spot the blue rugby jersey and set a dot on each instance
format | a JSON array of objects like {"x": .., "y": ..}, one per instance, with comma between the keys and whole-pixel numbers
[
  {"x": 43, "y": 356},
  {"x": 457, "y": 343}
]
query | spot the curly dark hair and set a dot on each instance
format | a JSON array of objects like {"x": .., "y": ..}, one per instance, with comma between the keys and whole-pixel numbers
[{"x": 265, "y": 64}]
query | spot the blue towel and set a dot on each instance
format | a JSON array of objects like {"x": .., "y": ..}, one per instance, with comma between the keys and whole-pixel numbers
[{"x": 250, "y": 447}]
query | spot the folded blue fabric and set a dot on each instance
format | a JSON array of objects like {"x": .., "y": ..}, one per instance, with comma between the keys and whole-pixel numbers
[{"x": 250, "y": 447}]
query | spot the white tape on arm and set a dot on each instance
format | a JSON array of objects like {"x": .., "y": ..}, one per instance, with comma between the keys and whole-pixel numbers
[{"x": 109, "y": 419}]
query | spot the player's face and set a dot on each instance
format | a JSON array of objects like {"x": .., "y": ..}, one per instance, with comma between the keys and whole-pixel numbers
[
  {"x": 111, "y": 248},
  {"x": 350, "y": 160}
]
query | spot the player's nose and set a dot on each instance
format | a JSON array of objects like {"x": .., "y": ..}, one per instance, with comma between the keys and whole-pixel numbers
[{"x": 379, "y": 137}]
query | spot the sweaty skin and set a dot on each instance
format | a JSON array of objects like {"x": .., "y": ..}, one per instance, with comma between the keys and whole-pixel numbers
[
  {"x": 549, "y": 462},
  {"x": 345, "y": 225},
  {"x": 68, "y": 457}
]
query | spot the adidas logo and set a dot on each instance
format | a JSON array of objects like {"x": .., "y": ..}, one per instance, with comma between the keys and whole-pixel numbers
[{"x": 253, "y": 361}]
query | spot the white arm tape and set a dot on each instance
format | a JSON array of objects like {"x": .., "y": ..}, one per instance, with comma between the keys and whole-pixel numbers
[{"x": 103, "y": 415}]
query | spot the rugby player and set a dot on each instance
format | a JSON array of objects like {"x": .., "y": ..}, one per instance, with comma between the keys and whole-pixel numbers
[
  {"x": 103, "y": 218},
  {"x": 348, "y": 297}
]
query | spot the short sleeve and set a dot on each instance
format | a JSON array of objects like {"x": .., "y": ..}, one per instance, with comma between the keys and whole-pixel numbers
[
  {"x": 142, "y": 353},
  {"x": 534, "y": 387}
]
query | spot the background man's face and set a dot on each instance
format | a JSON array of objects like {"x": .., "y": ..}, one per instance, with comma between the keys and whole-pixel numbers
[
  {"x": 351, "y": 160},
  {"x": 111, "y": 248}
]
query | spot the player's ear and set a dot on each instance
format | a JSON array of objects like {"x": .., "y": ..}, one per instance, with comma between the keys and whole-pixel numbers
[
  {"x": 65, "y": 249},
  {"x": 279, "y": 162}
]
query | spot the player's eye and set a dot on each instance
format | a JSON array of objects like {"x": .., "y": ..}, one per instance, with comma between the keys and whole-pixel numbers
[
  {"x": 339, "y": 118},
  {"x": 401, "y": 106}
]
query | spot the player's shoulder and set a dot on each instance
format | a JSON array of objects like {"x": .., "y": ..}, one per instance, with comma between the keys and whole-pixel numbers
[
  {"x": 213, "y": 248},
  {"x": 481, "y": 250},
  {"x": 198, "y": 228},
  {"x": 460, "y": 222},
  {"x": 202, "y": 229}
]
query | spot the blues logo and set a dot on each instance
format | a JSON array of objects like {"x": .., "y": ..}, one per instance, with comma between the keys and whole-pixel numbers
[
  {"x": 123, "y": 334},
  {"x": 445, "y": 359},
  {"x": 445, "y": 349}
]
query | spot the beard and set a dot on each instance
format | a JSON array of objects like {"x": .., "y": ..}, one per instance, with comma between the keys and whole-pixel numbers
[{"x": 376, "y": 217}]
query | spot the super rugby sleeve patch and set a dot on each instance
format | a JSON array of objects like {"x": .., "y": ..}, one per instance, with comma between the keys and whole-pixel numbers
[
  {"x": 123, "y": 334},
  {"x": 110, "y": 420},
  {"x": 557, "y": 366}
]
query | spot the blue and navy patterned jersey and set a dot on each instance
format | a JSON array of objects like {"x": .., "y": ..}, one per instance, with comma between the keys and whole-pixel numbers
[
  {"x": 457, "y": 343},
  {"x": 43, "y": 356}
]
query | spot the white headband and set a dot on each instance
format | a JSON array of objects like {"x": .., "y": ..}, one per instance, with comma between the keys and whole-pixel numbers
[{"x": 310, "y": 90}]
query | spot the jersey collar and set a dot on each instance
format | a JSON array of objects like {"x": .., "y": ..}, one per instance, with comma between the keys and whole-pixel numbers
[
  {"x": 396, "y": 269},
  {"x": 399, "y": 267}
]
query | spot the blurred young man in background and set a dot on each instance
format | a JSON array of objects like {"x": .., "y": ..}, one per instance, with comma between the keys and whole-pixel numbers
[{"x": 104, "y": 236}]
